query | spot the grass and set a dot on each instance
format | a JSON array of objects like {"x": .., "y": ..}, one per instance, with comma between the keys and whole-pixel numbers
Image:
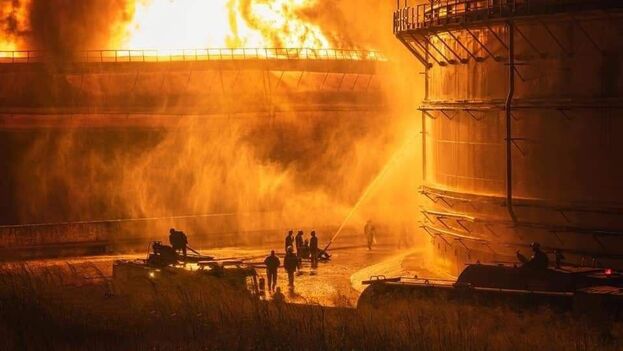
[{"x": 54, "y": 308}]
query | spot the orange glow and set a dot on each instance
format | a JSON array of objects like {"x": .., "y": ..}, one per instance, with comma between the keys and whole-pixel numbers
[
  {"x": 14, "y": 21},
  {"x": 189, "y": 24}
]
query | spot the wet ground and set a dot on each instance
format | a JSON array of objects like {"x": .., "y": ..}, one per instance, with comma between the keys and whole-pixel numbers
[{"x": 335, "y": 283}]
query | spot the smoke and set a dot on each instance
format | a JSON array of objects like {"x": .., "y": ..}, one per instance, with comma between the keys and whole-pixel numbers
[
  {"x": 303, "y": 168},
  {"x": 60, "y": 26},
  {"x": 351, "y": 24},
  {"x": 9, "y": 17},
  {"x": 308, "y": 166},
  {"x": 12, "y": 24}
]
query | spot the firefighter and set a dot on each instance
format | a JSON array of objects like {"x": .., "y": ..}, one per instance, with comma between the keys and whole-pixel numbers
[
  {"x": 178, "y": 240},
  {"x": 289, "y": 240},
  {"x": 313, "y": 249},
  {"x": 290, "y": 264},
  {"x": 300, "y": 246},
  {"x": 272, "y": 263},
  {"x": 369, "y": 232},
  {"x": 299, "y": 241},
  {"x": 539, "y": 259}
]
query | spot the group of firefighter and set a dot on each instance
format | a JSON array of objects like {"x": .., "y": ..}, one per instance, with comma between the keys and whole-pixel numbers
[
  {"x": 309, "y": 249},
  {"x": 292, "y": 261}
]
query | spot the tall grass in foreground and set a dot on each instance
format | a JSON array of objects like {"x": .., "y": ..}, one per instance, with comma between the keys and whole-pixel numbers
[{"x": 53, "y": 309}]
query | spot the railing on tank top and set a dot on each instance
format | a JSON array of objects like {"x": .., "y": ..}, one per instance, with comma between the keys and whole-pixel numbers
[
  {"x": 191, "y": 55},
  {"x": 445, "y": 12}
]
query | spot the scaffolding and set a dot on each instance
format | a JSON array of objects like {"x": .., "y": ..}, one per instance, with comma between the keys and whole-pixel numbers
[
  {"x": 430, "y": 30},
  {"x": 445, "y": 13}
]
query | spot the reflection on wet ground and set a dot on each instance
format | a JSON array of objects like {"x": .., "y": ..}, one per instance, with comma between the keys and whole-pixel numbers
[{"x": 337, "y": 282}]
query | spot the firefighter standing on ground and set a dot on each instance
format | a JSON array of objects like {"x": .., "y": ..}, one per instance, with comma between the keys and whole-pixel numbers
[
  {"x": 369, "y": 232},
  {"x": 178, "y": 240},
  {"x": 300, "y": 244},
  {"x": 272, "y": 264},
  {"x": 290, "y": 264},
  {"x": 313, "y": 249},
  {"x": 289, "y": 240}
]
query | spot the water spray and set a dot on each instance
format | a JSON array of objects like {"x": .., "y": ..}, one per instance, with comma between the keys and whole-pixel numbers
[{"x": 371, "y": 186}]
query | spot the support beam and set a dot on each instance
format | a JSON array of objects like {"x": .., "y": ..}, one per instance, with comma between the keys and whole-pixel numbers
[
  {"x": 438, "y": 51},
  {"x": 540, "y": 54},
  {"x": 509, "y": 120},
  {"x": 428, "y": 53},
  {"x": 415, "y": 53},
  {"x": 458, "y": 57},
  {"x": 483, "y": 46},
  {"x": 586, "y": 34},
  {"x": 477, "y": 59},
  {"x": 555, "y": 38}
]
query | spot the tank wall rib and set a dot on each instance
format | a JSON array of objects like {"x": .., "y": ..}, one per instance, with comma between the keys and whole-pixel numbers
[
  {"x": 567, "y": 116},
  {"x": 572, "y": 62},
  {"x": 563, "y": 112}
]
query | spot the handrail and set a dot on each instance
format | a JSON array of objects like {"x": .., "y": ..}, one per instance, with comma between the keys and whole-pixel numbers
[
  {"x": 191, "y": 55},
  {"x": 446, "y": 12}
]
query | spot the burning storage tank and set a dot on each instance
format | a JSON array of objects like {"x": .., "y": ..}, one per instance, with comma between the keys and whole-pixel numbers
[
  {"x": 114, "y": 145},
  {"x": 521, "y": 124}
]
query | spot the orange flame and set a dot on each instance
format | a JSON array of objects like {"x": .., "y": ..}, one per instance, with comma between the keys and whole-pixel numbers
[
  {"x": 13, "y": 21},
  {"x": 188, "y": 24}
]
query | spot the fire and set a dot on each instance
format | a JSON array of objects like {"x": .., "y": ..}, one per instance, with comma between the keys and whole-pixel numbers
[
  {"x": 13, "y": 22},
  {"x": 190, "y": 24},
  {"x": 174, "y": 24}
]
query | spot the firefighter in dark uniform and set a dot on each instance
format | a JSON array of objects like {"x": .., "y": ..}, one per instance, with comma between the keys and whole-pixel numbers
[
  {"x": 290, "y": 263},
  {"x": 178, "y": 240},
  {"x": 313, "y": 249},
  {"x": 272, "y": 263},
  {"x": 370, "y": 232},
  {"x": 539, "y": 259},
  {"x": 300, "y": 245},
  {"x": 289, "y": 240}
]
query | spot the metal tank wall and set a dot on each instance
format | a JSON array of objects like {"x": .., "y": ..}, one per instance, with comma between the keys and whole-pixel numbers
[
  {"x": 566, "y": 164},
  {"x": 125, "y": 111},
  {"x": 226, "y": 86}
]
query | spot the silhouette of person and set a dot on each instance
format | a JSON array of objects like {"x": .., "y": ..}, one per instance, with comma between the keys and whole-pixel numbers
[
  {"x": 369, "y": 232},
  {"x": 299, "y": 241},
  {"x": 289, "y": 240},
  {"x": 300, "y": 245},
  {"x": 313, "y": 249},
  {"x": 178, "y": 240},
  {"x": 539, "y": 259},
  {"x": 290, "y": 264},
  {"x": 272, "y": 263}
]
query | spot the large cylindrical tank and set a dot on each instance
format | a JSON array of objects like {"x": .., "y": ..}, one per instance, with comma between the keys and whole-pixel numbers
[
  {"x": 111, "y": 148},
  {"x": 549, "y": 75}
]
